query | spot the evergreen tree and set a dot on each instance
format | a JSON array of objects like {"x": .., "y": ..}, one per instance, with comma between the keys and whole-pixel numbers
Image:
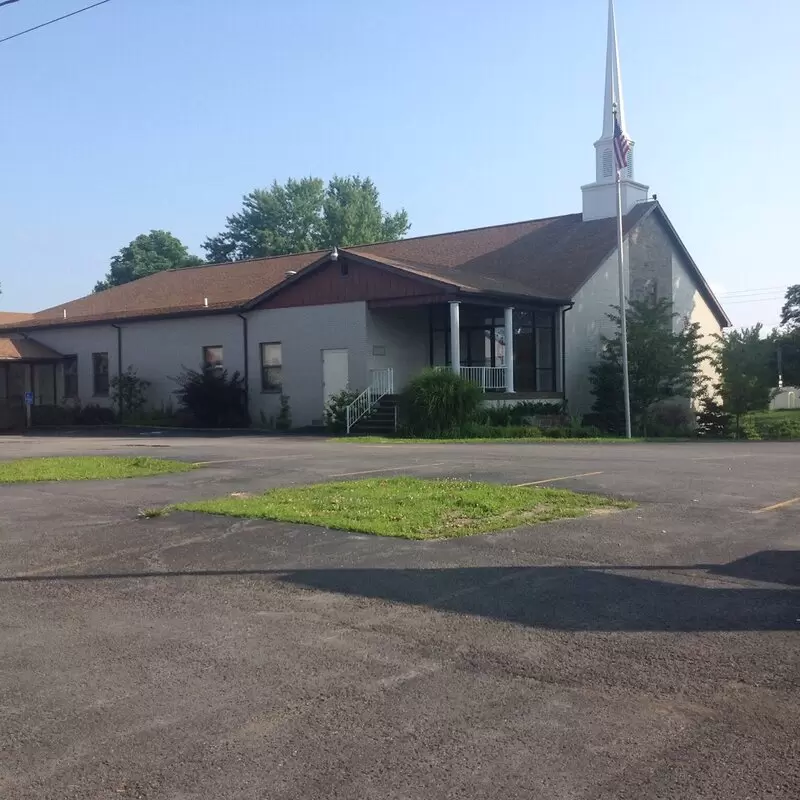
[{"x": 665, "y": 360}]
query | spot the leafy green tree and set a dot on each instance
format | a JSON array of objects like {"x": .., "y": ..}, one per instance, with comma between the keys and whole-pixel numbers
[
  {"x": 662, "y": 362},
  {"x": 146, "y": 254},
  {"x": 303, "y": 215},
  {"x": 742, "y": 360},
  {"x": 129, "y": 392},
  {"x": 790, "y": 313}
]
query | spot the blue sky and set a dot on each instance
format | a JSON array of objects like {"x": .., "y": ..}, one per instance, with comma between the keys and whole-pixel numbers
[{"x": 148, "y": 114}]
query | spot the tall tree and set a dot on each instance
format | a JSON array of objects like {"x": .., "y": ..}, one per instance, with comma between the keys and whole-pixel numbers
[
  {"x": 662, "y": 362},
  {"x": 303, "y": 215},
  {"x": 742, "y": 360},
  {"x": 790, "y": 313},
  {"x": 147, "y": 253}
]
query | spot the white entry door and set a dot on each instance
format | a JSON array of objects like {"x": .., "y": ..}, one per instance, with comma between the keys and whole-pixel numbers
[{"x": 335, "y": 373}]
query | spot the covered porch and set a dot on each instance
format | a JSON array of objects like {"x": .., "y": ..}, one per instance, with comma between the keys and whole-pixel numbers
[
  {"x": 472, "y": 338},
  {"x": 27, "y": 367}
]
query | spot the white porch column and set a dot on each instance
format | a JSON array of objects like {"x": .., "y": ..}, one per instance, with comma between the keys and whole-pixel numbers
[
  {"x": 455, "y": 337},
  {"x": 509, "y": 325}
]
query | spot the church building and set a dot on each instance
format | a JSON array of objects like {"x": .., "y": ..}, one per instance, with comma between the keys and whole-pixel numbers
[{"x": 519, "y": 308}]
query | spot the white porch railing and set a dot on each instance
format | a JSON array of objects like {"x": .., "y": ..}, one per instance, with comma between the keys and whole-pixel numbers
[
  {"x": 381, "y": 383},
  {"x": 485, "y": 377}
]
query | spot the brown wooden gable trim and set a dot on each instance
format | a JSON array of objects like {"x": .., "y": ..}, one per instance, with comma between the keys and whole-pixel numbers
[{"x": 347, "y": 280}]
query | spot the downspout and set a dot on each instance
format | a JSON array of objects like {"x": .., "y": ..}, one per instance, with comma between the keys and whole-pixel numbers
[
  {"x": 119, "y": 368},
  {"x": 564, "y": 352},
  {"x": 243, "y": 318}
]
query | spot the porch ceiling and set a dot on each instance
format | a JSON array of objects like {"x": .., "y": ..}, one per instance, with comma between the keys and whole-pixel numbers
[{"x": 13, "y": 349}]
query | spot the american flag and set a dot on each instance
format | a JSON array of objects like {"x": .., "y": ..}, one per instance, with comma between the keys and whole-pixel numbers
[{"x": 622, "y": 145}]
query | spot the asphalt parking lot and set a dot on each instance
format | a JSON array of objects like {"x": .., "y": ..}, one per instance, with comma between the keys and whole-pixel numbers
[{"x": 652, "y": 653}]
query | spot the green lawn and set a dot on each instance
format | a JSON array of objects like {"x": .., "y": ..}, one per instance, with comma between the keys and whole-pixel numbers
[
  {"x": 85, "y": 468},
  {"x": 786, "y": 413},
  {"x": 410, "y": 508},
  {"x": 500, "y": 440}
]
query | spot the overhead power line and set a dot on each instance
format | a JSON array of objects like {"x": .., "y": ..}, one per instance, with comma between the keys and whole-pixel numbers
[
  {"x": 52, "y": 21},
  {"x": 753, "y": 291}
]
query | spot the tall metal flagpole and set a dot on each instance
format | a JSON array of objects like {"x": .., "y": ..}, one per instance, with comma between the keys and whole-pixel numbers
[{"x": 626, "y": 392}]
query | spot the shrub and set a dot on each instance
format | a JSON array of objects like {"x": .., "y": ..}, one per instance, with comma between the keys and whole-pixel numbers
[
  {"x": 713, "y": 422},
  {"x": 769, "y": 427},
  {"x": 284, "y": 419},
  {"x": 439, "y": 402},
  {"x": 671, "y": 417},
  {"x": 521, "y": 413},
  {"x": 163, "y": 417},
  {"x": 94, "y": 414},
  {"x": 53, "y": 415},
  {"x": 212, "y": 399},
  {"x": 475, "y": 430},
  {"x": 747, "y": 429},
  {"x": 335, "y": 415},
  {"x": 129, "y": 392}
]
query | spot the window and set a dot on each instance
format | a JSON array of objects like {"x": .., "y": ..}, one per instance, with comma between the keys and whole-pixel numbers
[
  {"x": 70, "y": 377},
  {"x": 212, "y": 357},
  {"x": 344, "y": 269},
  {"x": 100, "y": 374},
  {"x": 271, "y": 367}
]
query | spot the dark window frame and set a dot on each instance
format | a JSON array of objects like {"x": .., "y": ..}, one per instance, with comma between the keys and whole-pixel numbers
[
  {"x": 528, "y": 319},
  {"x": 206, "y": 363},
  {"x": 100, "y": 380},
  {"x": 75, "y": 394},
  {"x": 268, "y": 384}
]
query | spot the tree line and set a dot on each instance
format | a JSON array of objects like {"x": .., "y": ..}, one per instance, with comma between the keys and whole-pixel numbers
[
  {"x": 293, "y": 217},
  {"x": 667, "y": 360}
]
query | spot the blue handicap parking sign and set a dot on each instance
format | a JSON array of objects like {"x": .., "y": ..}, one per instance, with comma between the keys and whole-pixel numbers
[{"x": 28, "y": 398}]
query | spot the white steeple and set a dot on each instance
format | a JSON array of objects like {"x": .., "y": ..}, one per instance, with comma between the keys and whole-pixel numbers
[
  {"x": 613, "y": 80},
  {"x": 599, "y": 198}
]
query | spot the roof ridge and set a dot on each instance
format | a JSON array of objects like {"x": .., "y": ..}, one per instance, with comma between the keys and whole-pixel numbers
[
  {"x": 463, "y": 230},
  {"x": 239, "y": 261}
]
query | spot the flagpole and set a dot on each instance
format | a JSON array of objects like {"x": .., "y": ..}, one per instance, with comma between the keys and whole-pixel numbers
[{"x": 626, "y": 393}]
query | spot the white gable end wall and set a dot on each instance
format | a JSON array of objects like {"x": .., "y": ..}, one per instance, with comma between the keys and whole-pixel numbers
[
  {"x": 656, "y": 267},
  {"x": 585, "y": 325},
  {"x": 691, "y": 305}
]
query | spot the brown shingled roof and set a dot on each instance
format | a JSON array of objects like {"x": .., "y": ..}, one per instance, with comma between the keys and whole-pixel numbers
[
  {"x": 10, "y": 317},
  {"x": 545, "y": 258},
  {"x": 21, "y": 349},
  {"x": 226, "y": 286}
]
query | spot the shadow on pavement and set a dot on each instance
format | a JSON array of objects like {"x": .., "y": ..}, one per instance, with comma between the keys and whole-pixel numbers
[
  {"x": 775, "y": 566},
  {"x": 597, "y": 598}
]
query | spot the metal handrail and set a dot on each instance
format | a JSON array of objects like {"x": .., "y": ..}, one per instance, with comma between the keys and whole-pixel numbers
[{"x": 381, "y": 383}]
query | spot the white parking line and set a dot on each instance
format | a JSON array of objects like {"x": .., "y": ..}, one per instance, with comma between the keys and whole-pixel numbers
[
  {"x": 254, "y": 458},
  {"x": 784, "y": 504},
  {"x": 386, "y": 469},
  {"x": 563, "y": 478}
]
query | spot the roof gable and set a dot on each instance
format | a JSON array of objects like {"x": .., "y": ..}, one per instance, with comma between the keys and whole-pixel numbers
[{"x": 547, "y": 259}]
